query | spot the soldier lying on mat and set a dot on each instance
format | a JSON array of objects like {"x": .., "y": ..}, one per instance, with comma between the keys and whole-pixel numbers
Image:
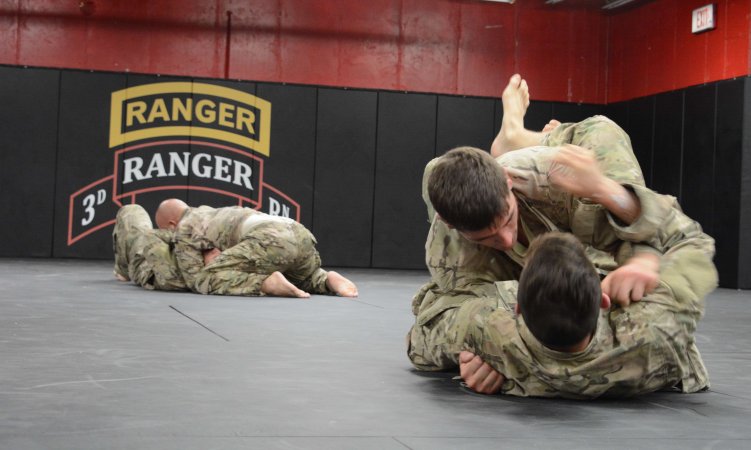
[
  {"x": 143, "y": 254},
  {"x": 241, "y": 251},
  {"x": 563, "y": 338}
]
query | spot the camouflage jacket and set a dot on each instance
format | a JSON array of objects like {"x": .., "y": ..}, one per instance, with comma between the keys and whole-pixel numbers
[
  {"x": 142, "y": 254},
  {"x": 644, "y": 347},
  {"x": 206, "y": 228}
]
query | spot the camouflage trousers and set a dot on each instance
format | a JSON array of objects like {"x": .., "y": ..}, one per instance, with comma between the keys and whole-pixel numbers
[
  {"x": 461, "y": 270},
  {"x": 273, "y": 246},
  {"x": 143, "y": 254}
]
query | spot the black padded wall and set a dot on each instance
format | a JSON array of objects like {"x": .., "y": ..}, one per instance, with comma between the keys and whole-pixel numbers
[
  {"x": 640, "y": 127},
  {"x": 406, "y": 142},
  {"x": 727, "y": 174},
  {"x": 344, "y": 176},
  {"x": 698, "y": 154},
  {"x": 351, "y": 160},
  {"x": 744, "y": 261},
  {"x": 83, "y": 208},
  {"x": 464, "y": 121},
  {"x": 293, "y": 143},
  {"x": 668, "y": 141},
  {"x": 538, "y": 115},
  {"x": 28, "y": 138},
  {"x": 575, "y": 112}
]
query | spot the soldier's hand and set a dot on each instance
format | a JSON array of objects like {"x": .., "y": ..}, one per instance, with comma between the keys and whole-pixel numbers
[
  {"x": 633, "y": 280},
  {"x": 478, "y": 375},
  {"x": 210, "y": 255},
  {"x": 575, "y": 170}
]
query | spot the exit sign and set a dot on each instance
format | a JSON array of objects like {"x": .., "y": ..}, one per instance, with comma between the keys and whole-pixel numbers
[{"x": 703, "y": 19}]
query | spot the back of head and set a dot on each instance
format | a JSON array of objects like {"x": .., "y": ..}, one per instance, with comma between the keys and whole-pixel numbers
[
  {"x": 169, "y": 213},
  {"x": 559, "y": 291},
  {"x": 468, "y": 189}
]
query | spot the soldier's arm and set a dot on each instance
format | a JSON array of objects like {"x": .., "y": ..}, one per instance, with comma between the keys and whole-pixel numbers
[{"x": 190, "y": 262}]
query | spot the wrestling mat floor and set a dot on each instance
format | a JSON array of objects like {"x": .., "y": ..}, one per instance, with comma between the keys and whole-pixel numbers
[{"x": 92, "y": 363}]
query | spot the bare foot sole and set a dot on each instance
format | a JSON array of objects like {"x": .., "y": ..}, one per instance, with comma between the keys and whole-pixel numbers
[
  {"x": 515, "y": 100},
  {"x": 277, "y": 285},
  {"x": 340, "y": 285}
]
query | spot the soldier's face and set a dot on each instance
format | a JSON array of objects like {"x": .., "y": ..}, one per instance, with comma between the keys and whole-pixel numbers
[{"x": 502, "y": 234}]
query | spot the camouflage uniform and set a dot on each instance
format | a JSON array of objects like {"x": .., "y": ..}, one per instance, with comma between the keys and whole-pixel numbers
[
  {"x": 253, "y": 245},
  {"x": 143, "y": 254},
  {"x": 461, "y": 270},
  {"x": 641, "y": 348}
]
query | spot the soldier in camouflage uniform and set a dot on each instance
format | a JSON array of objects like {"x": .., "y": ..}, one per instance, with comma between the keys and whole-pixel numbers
[
  {"x": 143, "y": 254},
  {"x": 260, "y": 254},
  {"x": 646, "y": 346},
  {"x": 466, "y": 266}
]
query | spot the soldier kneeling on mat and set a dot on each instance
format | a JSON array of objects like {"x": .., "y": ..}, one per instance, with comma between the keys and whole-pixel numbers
[{"x": 241, "y": 251}]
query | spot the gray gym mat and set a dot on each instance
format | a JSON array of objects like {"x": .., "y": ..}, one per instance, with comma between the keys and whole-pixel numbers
[{"x": 89, "y": 362}]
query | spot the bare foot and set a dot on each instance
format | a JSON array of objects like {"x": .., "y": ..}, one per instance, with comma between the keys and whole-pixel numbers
[
  {"x": 515, "y": 100},
  {"x": 513, "y": 135},
  {"x": 278, "y": 286},
  {"x": 342, "y": 286}
]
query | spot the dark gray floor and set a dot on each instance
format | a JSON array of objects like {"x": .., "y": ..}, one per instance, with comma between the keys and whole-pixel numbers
[{"x": 88, "y": 362}]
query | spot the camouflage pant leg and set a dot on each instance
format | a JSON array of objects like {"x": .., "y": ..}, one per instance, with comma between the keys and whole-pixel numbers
[
  {"x": 611, "y": 145},
  {"x": 305, "y": 272},
  {"x": 268, "y": 248},
  {"x": 434, "y": 341},
  {"x": 131, "y": 222}
]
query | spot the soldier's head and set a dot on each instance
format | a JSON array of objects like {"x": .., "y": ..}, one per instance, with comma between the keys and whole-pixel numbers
[
  {"x": 471, "y": 193},
  {"x": 169, "y": 213},
  {"x": 559, "y": 293}
]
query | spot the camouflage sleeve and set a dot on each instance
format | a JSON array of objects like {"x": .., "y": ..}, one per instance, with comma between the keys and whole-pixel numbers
[
  {"x": 189, "y": 260},
  {"x": 219, "y": 277}
]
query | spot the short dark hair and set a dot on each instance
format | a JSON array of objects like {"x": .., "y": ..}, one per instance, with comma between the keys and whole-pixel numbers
[
  {"x": 468, "y": 189},
  {"x": 559, "y": 291}
]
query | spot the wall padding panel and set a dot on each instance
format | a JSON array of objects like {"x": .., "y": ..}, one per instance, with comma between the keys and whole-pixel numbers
[
  {"x": 293, "y": 140},
  {"x": 744, "y": 260},
  {"x": 28, "y": 139},
  {"x": 344, "y": 176},
  {"x": 464, "y": 121},
  {"x": 698, "y": 154},
  {"x": 666, "y": 169},
  {"x": 573, "y": 112},
  {"x": 538, "y": 115},
  {"x": 727, "y": 175},
  {"x": 406, "y": 142},
  {"x": 641, "y": 130},
  {"x": 84, "y": 210}
]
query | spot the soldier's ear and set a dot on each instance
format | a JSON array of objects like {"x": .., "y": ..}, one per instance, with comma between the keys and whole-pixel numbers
[
  {"x": 516, "y": 309},
  {"x": 508, "y": 178},
  {"x": 605, "y": 302}
]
